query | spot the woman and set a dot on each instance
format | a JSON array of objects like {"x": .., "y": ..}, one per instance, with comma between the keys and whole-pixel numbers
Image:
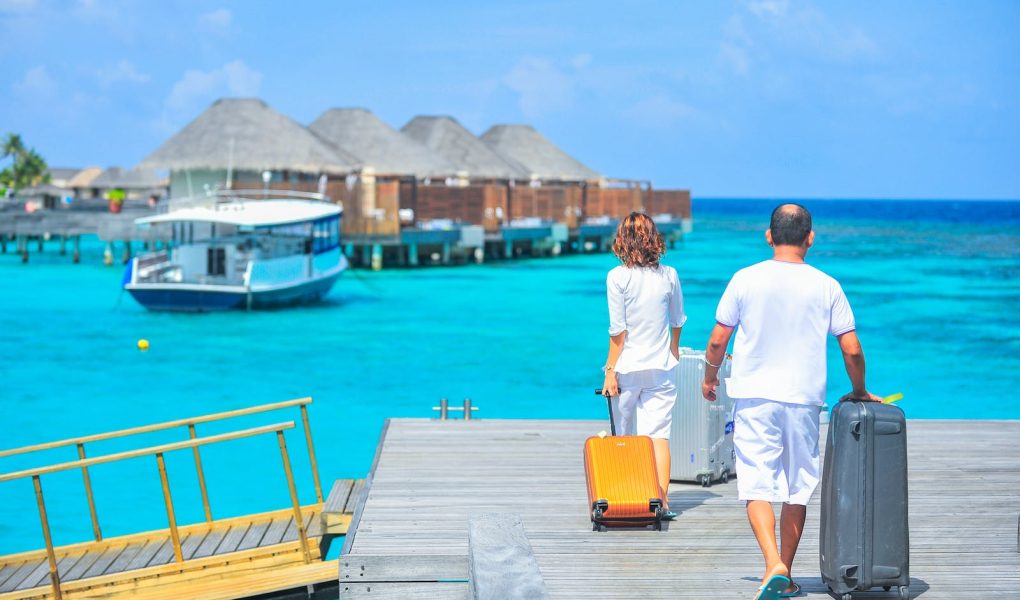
[{"x": 646, "y": 314}]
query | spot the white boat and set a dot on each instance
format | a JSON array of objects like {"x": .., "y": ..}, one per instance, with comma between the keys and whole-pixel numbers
[{"x": 240, "y": 250}]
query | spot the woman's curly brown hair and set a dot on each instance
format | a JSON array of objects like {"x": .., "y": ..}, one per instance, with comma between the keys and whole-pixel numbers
[{"x": 638, "y": 242}]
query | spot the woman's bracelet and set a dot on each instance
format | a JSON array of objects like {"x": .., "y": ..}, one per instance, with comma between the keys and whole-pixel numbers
[{"x": 710, "y": 364}]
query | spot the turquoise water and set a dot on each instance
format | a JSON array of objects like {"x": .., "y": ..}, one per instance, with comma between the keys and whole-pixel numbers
[{"x": 935, "y": 288}]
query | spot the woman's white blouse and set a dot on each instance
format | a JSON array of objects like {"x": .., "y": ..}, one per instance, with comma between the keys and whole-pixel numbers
[{"x": 645, "y": 302}]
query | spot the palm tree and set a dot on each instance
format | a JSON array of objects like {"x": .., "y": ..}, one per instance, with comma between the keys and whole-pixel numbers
[{"x": 27, "y": 167}]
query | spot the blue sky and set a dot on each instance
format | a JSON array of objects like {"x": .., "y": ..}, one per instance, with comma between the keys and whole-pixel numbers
[{"x": 769, "y": 98}]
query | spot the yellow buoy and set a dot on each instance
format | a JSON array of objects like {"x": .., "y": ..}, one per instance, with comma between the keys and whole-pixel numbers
[{"x": 143, "y": 344}]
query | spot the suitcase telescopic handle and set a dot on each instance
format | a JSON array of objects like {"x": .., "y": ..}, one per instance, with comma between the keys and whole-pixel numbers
[{"x": 609, "y": 405}]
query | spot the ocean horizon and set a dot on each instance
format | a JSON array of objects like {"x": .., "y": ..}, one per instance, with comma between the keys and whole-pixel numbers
[{"x": 934, "y": 285}]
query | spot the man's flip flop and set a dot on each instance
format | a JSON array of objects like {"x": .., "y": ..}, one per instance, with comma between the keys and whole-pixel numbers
[
  {"x": 792, "y": 594},
  {"x": 773, "y": 588}
]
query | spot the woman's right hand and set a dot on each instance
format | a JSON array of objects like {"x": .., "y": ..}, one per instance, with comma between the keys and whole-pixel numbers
[{"x": 610, "y": 387}]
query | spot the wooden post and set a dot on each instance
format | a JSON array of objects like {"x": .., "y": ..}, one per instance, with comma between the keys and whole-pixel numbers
[
  {"x": 311, "y": 453},
  {"x": 40, "y": 243},
  {"x": 412, "y": 254},
  {"x": 76, "y": 255},
  {"x": 50, "y": 555},
  {"x": 201, "y": 476},
  {"x": 446, "y": 253},
  {"x": 508, "y": 249},
  {"x": 108, "y": 254},
  {"x": 174, "y": 535},
  {"x": 299, "y": 519},
  {"x": 3, "y": 243},
  {"x": 377, "y": 257},
  {"x": 63, "y": 245},
  {"x": 127, "y": 252},
  {"x": 88, "y": 495}
]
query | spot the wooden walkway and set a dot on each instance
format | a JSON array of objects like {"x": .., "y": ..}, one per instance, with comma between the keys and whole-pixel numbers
[
  {"x": 228, "y": 558},
  {"x": 409, "y": 539}
]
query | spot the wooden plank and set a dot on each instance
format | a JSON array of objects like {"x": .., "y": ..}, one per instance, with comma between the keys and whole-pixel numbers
[
  {"x": 338, "y": 495},
  {"x": 7, "y": 570},
  {"x": 253, "y": 537},
  {"x": 232, "y": 539},
  {"x": 446, "y": 590},
  {"x": 210, "y": 543},
  {"x": 409, "y": 567},
  {"x": 357, "y": 489},
  {"x": 274, "y": 534},
  {"x": 41, "y": 576},
  {"x": 367, "y": 484},
  {"x": 191, "y": 542},
  {"x": 86, "y": 561},
  {"x": 501, "y": 563},
  {"x": 146, "y": 554},
  {"x": 124, "y": 559},
  {"x": 24, "y": 571},
  {"x": 103, "y": 562}
]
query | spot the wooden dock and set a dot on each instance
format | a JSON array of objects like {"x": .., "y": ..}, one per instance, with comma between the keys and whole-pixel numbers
[
  {"x": 410, "y": 538},
  {"x": 269, "y": 553}
]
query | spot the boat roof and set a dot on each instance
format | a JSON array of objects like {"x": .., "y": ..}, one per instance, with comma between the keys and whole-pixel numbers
[{"x": 252, "y": 213}]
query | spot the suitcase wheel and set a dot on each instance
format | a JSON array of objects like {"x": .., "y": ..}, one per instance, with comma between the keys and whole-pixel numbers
[
  {"x": 725, "y": 477},
  {"x": 904, "y": 592},
  {"x": 705, "y": 480},
  {"x": 847, "y": 596}
]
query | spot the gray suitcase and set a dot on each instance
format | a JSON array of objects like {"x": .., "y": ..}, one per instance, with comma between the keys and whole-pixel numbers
[
  {"x": 864, "y": 539},
  {"x": 701, "y": 438}
]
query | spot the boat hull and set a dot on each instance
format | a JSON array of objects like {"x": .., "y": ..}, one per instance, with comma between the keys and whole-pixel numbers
[{"x": 194, "y": 298}]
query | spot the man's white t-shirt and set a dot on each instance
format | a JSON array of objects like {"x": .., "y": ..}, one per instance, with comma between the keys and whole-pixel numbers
[
  {"x": 645, "y": 302},
  {"x": 783, "y": 313}
]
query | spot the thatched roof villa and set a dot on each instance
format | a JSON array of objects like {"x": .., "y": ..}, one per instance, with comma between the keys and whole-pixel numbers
[
  {"x": 244, "y": 137},
  {"x": 542, "y": 159},
  {"x": 473, "y": 159},
  {"x": 358, "y": 132}
]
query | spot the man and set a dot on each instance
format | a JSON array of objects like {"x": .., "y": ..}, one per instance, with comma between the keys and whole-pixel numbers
[{"x": 783, "y": 310}]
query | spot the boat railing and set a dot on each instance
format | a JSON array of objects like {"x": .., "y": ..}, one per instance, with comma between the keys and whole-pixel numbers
[
  {"x": 190, "y": 424},
  {"x": 221, "y": 198},
  {"x": 158, "y": 452}
]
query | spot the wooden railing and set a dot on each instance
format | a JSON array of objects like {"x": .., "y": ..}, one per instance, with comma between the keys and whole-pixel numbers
[
  {"x": 192, "y": 433},
  {"x": 158, "y": 452}
]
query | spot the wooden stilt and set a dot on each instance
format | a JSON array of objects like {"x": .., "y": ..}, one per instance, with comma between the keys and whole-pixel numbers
[{"x": 76, "y": 255}]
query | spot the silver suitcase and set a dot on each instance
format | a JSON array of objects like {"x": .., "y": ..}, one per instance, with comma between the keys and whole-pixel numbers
[{"x": 701, "y": 438}]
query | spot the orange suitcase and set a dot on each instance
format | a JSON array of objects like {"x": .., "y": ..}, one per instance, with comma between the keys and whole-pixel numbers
[{"x": 623, "y": 489}]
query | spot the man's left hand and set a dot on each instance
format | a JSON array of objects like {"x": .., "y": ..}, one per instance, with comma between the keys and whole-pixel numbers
[{"x": 708, "y": 389}]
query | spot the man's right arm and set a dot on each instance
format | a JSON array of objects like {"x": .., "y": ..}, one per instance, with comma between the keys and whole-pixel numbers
[{"x": 853, "y": 358}]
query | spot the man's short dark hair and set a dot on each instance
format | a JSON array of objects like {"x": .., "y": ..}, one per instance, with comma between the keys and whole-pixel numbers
[{"x": 790, "y": 225}]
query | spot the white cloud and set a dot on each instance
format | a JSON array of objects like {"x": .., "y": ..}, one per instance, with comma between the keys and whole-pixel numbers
[
  {"x": 37, "y": 83},
  {"x": 219, "y": 21},
  {"x": 659, "y": 111},
  {"x": 197, "y": 88},
  {"x": 797, "y": 26},
  {"x": 769, "y": 8},
  {"x": 581, "y": 60},
  {"x": 122, "y": 72},
  {"x": 541, "y": 86},
  {"x": 17, "y": 5},
  {"x": 737, "y": 57}
]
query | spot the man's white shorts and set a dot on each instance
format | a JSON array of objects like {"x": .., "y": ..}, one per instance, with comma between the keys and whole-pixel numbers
[
  {"x": 776, "y": 444},
  {"x": 645, "y": 403}
]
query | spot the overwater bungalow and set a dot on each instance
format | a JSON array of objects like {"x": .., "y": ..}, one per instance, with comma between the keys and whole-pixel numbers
[{"x": 235, "y": 142}]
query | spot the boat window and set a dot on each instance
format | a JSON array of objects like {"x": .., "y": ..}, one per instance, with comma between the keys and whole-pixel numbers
[
  {"x": 326, "y": 234},
  {"x": 217, "y": 261}
]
